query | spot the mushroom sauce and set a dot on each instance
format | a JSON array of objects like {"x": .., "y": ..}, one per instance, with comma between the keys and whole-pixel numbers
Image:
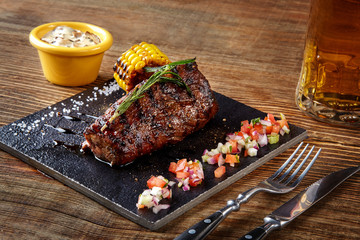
[{"x": 68, "y": 37}]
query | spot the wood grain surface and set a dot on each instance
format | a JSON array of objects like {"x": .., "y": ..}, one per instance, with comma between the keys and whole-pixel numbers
[{"x": 250, "y": 51}]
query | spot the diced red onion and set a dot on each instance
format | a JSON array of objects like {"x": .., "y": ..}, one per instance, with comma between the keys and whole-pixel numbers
[
  {"x": 221, "y": 160},
  {"x": 186, "y": 187},
  {"x": 165, "y": 192},
  {"x": 265, "y": 123},
  {"x": 195, "y": 180},
  {"x": 230, "y": 135},
  {"x": 186, "y": 181},
  {"x": 159, "y": 207},
  {"x": 263, "y": 140},
  {"x": 282, "y": 132},
  {"x": 254, "y": 133},
  {"x": 155, "y": 200},
  {"x": 211, "y": 160},
  {"x": 200, "y": 173},
  {"x": 210, "y": 154},
  {"x": 238, "y": 138},
  {"x": 205, "y": 152},
  {"x": 171, "y": 183}
]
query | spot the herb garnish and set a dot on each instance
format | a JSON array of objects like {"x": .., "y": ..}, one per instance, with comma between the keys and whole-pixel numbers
[{"x": 158, "y": 76}]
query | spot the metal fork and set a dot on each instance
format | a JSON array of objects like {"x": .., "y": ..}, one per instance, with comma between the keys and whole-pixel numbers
[{"x": 274, "y": 184}]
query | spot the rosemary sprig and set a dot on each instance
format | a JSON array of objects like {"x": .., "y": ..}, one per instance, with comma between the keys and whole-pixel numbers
[{"x": 158, "y": 76}]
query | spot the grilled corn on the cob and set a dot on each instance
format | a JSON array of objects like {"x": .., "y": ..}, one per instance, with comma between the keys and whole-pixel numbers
[{"x": 129, "y": 66}]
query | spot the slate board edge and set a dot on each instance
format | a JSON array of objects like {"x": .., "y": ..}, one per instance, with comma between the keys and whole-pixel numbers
[{"x": 133, "y": 217}]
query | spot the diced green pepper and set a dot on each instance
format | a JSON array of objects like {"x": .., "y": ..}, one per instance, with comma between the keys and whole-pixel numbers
[
  {"x": 273, "y": 138},
  {"x": 255, "y": 120},
  {"x": 205, "y": 158}
]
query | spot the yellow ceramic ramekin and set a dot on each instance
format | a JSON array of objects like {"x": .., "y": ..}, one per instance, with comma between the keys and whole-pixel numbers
[{"x": 70, "y": 66}]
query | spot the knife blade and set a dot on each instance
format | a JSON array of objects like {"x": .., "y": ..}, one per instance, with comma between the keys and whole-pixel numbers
[{"x": 300, "y": 203}]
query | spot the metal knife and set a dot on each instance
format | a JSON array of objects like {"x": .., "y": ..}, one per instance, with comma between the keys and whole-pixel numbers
[{"x": 300, "y": 203}]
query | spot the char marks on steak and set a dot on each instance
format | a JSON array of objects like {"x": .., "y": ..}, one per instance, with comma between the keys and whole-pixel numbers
[{"x": 165, "y": 115}]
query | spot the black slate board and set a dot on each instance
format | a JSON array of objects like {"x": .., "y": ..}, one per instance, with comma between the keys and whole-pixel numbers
[{"x": 49, "y": 140}]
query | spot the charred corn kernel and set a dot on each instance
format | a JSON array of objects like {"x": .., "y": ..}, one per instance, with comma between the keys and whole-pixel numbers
[
  {"x": 132, "y": 62},
  {"x": 130, "y": 69},
  {"x": 119, "y": 81}
]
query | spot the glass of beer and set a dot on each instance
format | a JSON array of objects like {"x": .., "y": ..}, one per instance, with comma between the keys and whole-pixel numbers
[{"x": 329, "y": 84}]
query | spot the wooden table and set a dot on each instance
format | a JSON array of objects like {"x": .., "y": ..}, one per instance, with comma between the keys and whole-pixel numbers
[{"x": 250, "y": 51}]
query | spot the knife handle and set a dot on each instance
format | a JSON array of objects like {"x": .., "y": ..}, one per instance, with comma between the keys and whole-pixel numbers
[
  {"x": 262, "y": 231},
  {"x": 255, "y": 234},
  {"x": 203, "y": 228}
]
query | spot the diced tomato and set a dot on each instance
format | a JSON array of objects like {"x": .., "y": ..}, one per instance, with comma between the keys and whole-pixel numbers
[
  {"x": 269, "y": 129},
  {"x": 271, "y": 118},
  {"x": 182, "y": 175},
  {"x": 254, "y": 134},
  {"x": 283, "y": 122},
  {"x": 234, "y": 146},
  {"x": 151, "y": 197},
  {"x": 181, "y": 164},
  {"x": 155, "y": 182},
  {"x": 241, "y": 134},
  {"x": 197, "y": 170},
  {"x": 246, "y": 153},
  {"x": 172, "y": 167},
  {"x": 194, "y": 166},
  {"x": 245, "y": 126},
  {"x": 216, "y": 157},
  {"x": 259, "y": 128},
  {"x": 189, "y": 173},
  {"x": 230, "y": 158},
  {"x": 276, "y": 128},
  {"x": 220, "y": 171},
  {"x": 194, "y": 182},
  {"x": 245, "y": 122}
]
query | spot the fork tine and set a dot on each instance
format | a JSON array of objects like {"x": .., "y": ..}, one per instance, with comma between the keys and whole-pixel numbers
[
  {"x": 293, "y": 164},
  {"x": 300, "y": 166},
  {"x": 287, "y": 161},
  {"x": 306, "y": 169}
]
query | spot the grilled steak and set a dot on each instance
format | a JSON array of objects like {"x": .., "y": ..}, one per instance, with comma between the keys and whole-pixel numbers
[{"x": 165, "y": 115}]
